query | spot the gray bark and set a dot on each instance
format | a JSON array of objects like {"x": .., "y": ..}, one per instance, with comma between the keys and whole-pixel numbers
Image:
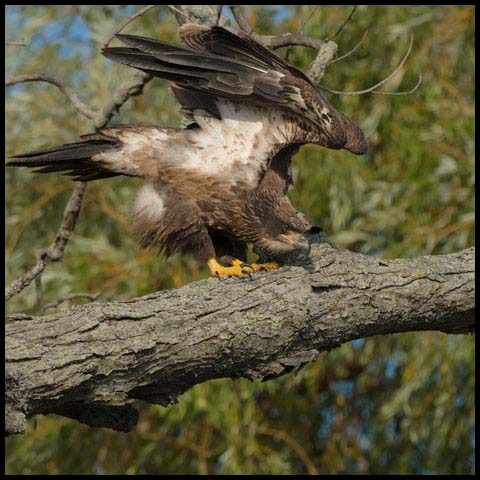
[{"x": 91, "y": 361}]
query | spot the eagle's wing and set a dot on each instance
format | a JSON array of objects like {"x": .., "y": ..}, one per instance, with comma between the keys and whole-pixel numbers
[{"x": 221, "y": 64}]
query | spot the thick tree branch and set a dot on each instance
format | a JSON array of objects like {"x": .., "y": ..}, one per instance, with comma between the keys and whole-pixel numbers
[{"x": 80, "y": 361}]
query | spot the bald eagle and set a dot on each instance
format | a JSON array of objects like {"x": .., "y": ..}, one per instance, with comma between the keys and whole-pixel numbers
[{"x": 219, "y": 184}]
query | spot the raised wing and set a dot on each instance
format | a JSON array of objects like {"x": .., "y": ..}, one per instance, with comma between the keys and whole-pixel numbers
[{"x": 221, "y": 64}]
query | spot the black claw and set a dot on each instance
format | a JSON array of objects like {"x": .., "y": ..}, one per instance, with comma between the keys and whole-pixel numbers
[
  {"x": 246, "y": 272},
  {"x": 217, "y": 275},
  {"x": 242, "y": 265}
]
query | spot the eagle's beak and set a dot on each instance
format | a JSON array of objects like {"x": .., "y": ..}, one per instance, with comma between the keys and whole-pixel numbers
[{"x": 297, "y": 240}]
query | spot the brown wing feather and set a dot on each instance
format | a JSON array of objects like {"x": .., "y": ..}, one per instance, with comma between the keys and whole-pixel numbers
[{"x": 220, "y": 64}]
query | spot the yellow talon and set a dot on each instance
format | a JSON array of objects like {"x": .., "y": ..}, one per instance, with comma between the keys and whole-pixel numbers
[
  {"x": 236, "y": 270},
  {"x": 264, "y": 266}
]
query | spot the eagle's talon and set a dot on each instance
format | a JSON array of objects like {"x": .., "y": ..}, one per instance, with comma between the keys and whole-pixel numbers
[
  {"x": 235, "y": 270},
  {"x": 249, "y": 274},
  {"x": 264, "y": 266}
]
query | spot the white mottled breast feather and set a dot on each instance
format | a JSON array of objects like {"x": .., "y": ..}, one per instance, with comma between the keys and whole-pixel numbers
[
  {"x": 238, "y": 146},
  {"x": 148, "y": 204},
  {"x": 235, "y": 148}
]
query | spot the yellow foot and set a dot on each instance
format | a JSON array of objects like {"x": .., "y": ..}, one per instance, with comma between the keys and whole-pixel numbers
[
  {"x": 238, "y": 269},
  {"x": 264, "y": 266}
]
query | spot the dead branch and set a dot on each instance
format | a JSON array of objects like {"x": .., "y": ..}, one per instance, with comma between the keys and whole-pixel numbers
[
  {"x": 301, "y": 28},
  {"x": 373, "y": 88},
  {"x": 347, "y": 20},
  {"x": 207, "y": 15},
  {"x": 89, "y": 362},
  {"x": 132, "y": 86},
  {"x": 126, "y": 22},
  {"x": 69, "y": 92},
  {"x": 326, "y": 52},
  {"x": 274, "y": 41},
  {"x": 354, "y": 49},
  {"x": 13, "y": 43},
  {"x": 56, "y": 250}
]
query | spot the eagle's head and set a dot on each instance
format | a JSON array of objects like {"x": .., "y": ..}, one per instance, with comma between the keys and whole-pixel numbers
[{"x": 283, "y": 238}]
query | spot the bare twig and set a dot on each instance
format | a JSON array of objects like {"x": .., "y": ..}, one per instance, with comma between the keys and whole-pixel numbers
[
  {"x": 354, "y": 49},
  {"x": 342, "y": 26},
  {"x": 278, "y": 41},
  {"x": 219, "y": 15},
  {"x": 302, "y": 26},
  {"x": 21, "y": 43},
  {"x": 274, "y": 41},
  {"x": 388, "y": 77},
  {"x": 69, "y": 92},
  {"x": 132, "y": 86},
  {"x": 406, "y": 92},
  {"x": 56, "y": 251},
  {"x": 293, "y": 444},
  {"x": 71, "y": 296},
  {"x": 326, "y": 50},
  {"x": 308, "y": 18},
  {"x": 175, "y": 9},
  {"x": 242, "y": 22},
  {"x": 127, "y": 21}
]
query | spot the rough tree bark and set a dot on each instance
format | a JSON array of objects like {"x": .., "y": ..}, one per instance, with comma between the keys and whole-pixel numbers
[{"x": 91, "y": 361}]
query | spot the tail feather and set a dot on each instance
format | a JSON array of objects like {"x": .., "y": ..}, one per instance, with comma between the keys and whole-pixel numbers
[{"x": 74, "y": 159}]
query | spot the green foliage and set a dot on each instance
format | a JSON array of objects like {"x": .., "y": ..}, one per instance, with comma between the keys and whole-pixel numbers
[{"x": 395, "y": 404}]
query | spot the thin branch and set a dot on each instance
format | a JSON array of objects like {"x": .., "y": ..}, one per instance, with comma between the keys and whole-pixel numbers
[
  {"x": 219, "y": 15},
  {"x": 128, "y": 21},
  {"x": 302, "y": 26},
  {"x": 308, "y": 18},
  {"x": 21, "y": 43},
  {"x": 69, "y": 92},
  {"x": 56, "y": 250},
  {"x": 386, "y": 79},
  {"x": 289, "y": 39},
  {"x": 345, "y": 22},
  {"x": 175, "y": 9},
  {"x": 242, "y": 22},
  {"x": 354, "y": 49},
  {"x": 274, "y": 41},
  {"x": 407, "y": 92},
  {"x": 133, "y": 86},
  {"x": 70, "y": 296}
]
